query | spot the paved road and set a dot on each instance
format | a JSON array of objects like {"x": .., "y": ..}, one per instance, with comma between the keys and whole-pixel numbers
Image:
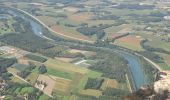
[{"x": 53, "y": 30}]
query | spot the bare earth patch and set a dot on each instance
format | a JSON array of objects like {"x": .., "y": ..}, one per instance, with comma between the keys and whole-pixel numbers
[
  {"x": 49, "y": 81},
  {"x": 81, "y": 16},
  {"x": 109, "y": 83},
  {"x": 131, "y": 42},
  {"x": 71, "y": 9},
  {"x": 77, "y": 51},
  {"x": 168, "y": 62}
]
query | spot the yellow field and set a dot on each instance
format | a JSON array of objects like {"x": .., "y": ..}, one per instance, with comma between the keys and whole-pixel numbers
[
  {"x": 56, "y": 64},
  {"x": 32, "y": 78},
  {"x": 17, "y": 80},
  {"x": 73, "y": 97},
  {"x": 62, "y": 85},
  {"x": 109, "y": 83},
  {"x": 64, "y": 59},
  {"x": 47, "y": 20},
  {"x": 91, "y": 92},
  {"x": 13, "y": 70}
]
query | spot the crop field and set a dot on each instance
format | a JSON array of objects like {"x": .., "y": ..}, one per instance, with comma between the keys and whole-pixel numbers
[
  {"x": 14, "y": 70},
  {"x": 67, "y": 67},
  {"x": 79, "y": 51},
  {"x": 84, "y": 79},
  {"x": 67, "y": 60},
  {"x": 49, "y": 81},
  {"x": 131, "y": 42},
  {"x": 86, "y": 74},
  {"x": 81, "y": 16},
  {"x": 59, "y": 73},
  {"x": 32, "y": 78},
  {"x": 91, "y": 92},
  {"x": 50, "y": 21},
  {"x": 62, "y": 85},
  {"x": 69, "y": 32},
  {"x": 154, "y": 41},
  {"x": 109, "y": 83},
  {"x": 17, "y": 80}
]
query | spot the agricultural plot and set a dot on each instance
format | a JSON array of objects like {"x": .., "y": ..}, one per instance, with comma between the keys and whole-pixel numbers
[
  {"x": 20, "y": 67},
  {"x": 32, "y": 78},
  {"x": 60, "y": 73},
  {"x": 50, "y": 83},
  {"x": 67, "y": 60},
  {"x": 109, "y": 83},
  {"x": 84, "y": 79},
  {"x": 130, "y": 42},
  {"x": 62, "y": 85},
  {"x": 67, "y": 67},
  {"x": 91, "y": 92},
  {"x": 81, "y": 17}
]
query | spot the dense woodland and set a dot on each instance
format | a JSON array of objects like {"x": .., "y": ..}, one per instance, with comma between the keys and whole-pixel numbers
[{"x": 110, "y": 64}]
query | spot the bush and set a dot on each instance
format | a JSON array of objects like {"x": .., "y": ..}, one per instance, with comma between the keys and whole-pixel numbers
[{"x": 42, "y": 69}]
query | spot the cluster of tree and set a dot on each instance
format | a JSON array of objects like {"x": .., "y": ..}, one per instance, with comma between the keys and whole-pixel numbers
[
  {"x": 120, "y": 36},
  {"x": 147, "y": 19},
  {"x": 22, "y": 92},
  {"x": 94, "y": 83},
  {"x": 21, "y": 25},
  {"x": 89, "y": 31},
  {"x": 158, "y": 14},
  {"x": 42, "y": 69},
  {"x": 134, "y": 6},
  {"x": 36, "y": 57},
  {"x": 106, "y": 17},
  {"x": 24, "y": 73},
  {"x": 26, "y": 41},
  {"x": 5, "y": 63},
  {"x": 52, "y": 52},
  {"x": 111, "y": 65},
  {"x": 70, "y": 25}
]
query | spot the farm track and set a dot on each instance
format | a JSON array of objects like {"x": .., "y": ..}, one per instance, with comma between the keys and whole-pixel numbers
[{"x": 15, "y": 75}]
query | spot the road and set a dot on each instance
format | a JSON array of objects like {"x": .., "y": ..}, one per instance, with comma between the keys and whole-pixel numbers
[
  {"x": 150, "y": 61},
  {"x": 15, "y": 75},
  {"x": 74, "y": 38}
]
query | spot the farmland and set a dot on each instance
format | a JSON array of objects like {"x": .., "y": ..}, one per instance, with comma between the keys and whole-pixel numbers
[{"x": 45, "y": 54}]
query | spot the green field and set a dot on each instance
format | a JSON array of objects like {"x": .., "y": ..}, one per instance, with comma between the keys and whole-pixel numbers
[
  {"x": 84, "y": 79},
  {"x": 59, "y": 73}
]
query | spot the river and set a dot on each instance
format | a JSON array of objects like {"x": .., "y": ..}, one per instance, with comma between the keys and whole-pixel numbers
[{"x": 134, "y": 62}]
